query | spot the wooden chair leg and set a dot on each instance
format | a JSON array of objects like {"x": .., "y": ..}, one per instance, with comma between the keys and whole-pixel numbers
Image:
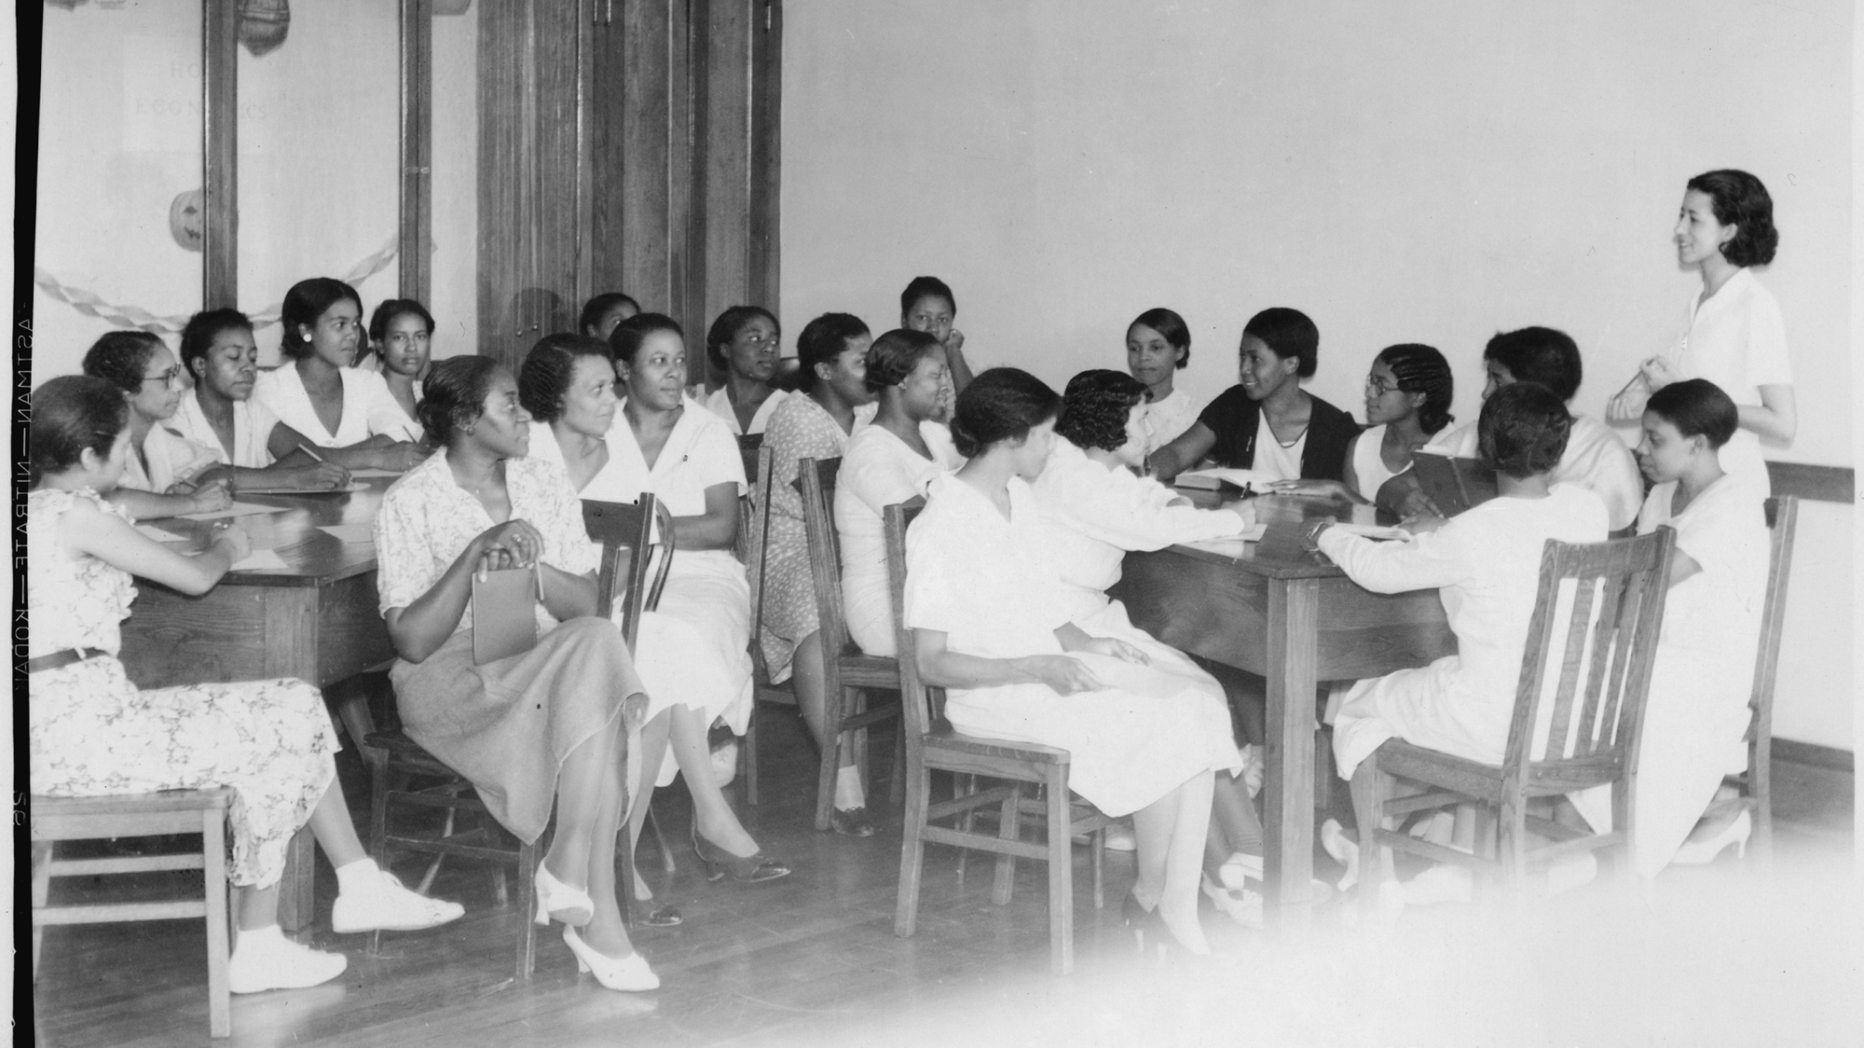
[
  {"x": 527, "y": 906},
  {"x": 834, "y": 710},
  {"x": 214, "y": 868},
  {"x": 964, "y": 786},
  {"x": 1511, "y": 841},
  {"x": 747, "y": 758},
  {"x": 1368, "y": 791},
  {"x": 896, "y": 786},
  {"x": 912, "y": 853},
  {"x": 1060, "y": 875},
  {"x": 297, "y": 896},
  {"x": 41, "y": 893},
  {"x": 1098, "y": 851},
  {"x": 1008, "y": 829}
]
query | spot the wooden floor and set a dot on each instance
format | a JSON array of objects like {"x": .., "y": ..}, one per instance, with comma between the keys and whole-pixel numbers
[{"x": 809, "y": 959}]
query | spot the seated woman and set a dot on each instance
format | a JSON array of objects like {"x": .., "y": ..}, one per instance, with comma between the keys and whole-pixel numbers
[
  {"x": 401, "y": 331},
  {"x": 93, "y": 732},
  {"x": 545, "y": 725},
  {"x": 161, "y": 477},
  {"x": 831, "y": 401},
  {"x": 665, "y": 443},
  {"x": 1158, "y": 346},
  {"x": 1096, "y": 510},
  {"x": 1267, "y": 422},
  {"x": 744, "y": 344},
  {"x": 601, "y": 313},
  {"x": 1486, "y": 562},
  {"x": 890, "y": 461},
  {"x": 1594, "y": 459},
  {"x": 1696, "y": 716},
  {"x": 990, "y": 624},
  {"x": 347, "y": 414},
  {"x": 928, "y": 305},
  {"x": 1408, "y": 395},
  {"x": 250, "y": 446}
]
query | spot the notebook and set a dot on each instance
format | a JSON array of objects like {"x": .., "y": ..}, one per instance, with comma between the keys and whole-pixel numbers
[
  {"x": 1454, "y": 484},
  {"x": 503, "y": 620}
]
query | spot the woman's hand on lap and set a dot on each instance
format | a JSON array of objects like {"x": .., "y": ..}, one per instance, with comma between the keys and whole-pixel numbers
[
  {"x": 1118, "y": 649},
  {"x": 513, "y": 544},
  {"x": 1067, "y": 676}
]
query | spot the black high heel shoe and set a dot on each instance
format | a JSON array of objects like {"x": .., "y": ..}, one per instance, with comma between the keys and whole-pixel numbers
[
  {"x": 749, "y": 869},
  {"x": 1143, "y": 923}
]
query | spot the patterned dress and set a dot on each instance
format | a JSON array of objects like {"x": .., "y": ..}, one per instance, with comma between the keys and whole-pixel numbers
[
  {"x": 93, "y": 732},
  {"x": 799, "y": 429}
]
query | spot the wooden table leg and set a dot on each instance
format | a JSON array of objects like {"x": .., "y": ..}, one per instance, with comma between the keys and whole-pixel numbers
[
  {"x": 297, "y": 892},
  {"x": 1293, "y": 626}
]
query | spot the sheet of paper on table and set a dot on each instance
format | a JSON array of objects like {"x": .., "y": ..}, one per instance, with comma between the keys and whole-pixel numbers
[
  {"x": 1232, "y": 547},
  {"x": 364, "y": 474},
  {"x": 261, "y": 560},
  {"x": 237, "y": 509},
  {"x": 349, "y": 532},
  {"x": 1213, "y": 479}
]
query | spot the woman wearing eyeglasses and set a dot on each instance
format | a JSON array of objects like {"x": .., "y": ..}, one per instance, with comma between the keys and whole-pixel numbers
[
  {"x": 1408, "y": 395},
  {"x": 161, "y": 477},
  {"x": 743, "y": 343},
  {"x": 320, "y": 395}
]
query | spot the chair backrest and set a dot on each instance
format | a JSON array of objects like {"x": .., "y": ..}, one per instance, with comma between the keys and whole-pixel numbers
[
  {"x": 1782, "y": 518},
  {"x": 1600, "y": 670},
  {"x": 816, "y": 478},
  {"x": 754, "y": 529},
  {"x": 922, "y": 705},
  {"x": 630, "y": 527},
  {"x": 749, "y": 444}
]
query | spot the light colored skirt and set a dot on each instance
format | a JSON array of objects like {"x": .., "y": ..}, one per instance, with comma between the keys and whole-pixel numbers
[{"x": 694, "y": 651}]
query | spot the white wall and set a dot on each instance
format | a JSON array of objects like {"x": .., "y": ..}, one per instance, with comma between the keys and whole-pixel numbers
[{"x": 1428, "y": 172}]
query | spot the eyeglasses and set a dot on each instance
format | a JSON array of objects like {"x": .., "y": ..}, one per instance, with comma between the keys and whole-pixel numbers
[
  {"x": 171, "y": 377},
  {"x": 1377, "y": 388}
]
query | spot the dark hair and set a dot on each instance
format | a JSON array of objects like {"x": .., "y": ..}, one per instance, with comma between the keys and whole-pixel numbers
[
  {"x": 1170, "y": 325},
  {"x": 598, "y": 307},
  {"x": 121, "y": 357},
  {"x": 1540, "y": 355},
  {"x": 203, "y": 327},
  {"x": 1740, "y": 200},
  {"x": 1522, "y": 430},
  {"x": 630, "y": 334},
  {"x": 392, "y": 308},
  {"x": 453, "y": 395},
  {"x": 922, "y": 287},
  {"x": 1421, "y": 369},
  {"x": 894, "y": 355},
  {"x": 304, "y": 304},
  {"x": 823, "y": 339},
  {"x": 1287, "y": 333},
  {"x": 71, "y": 413},
  {"x": 1696, "y": 407},
  {"x": 1095, "y": 407},
  {"x": 727, "y": 327},
  {"x": 545, "y": 376},
  {"x": 1000, "y": 404}
]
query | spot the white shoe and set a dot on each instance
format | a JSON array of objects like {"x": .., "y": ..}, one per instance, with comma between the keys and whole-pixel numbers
[
  {"x": 1701, "y": 853},
  {"x": 625, "y": 973},
  {"x": 389, "y": 907},
  {"x": 1120, "y": 838},
  {"x": 1440, "y": 883},
  {"x": 1243, "y": 906},
  {"x": 276, "y": 963},
  {"x": 1341, "y": 849},
  {"x": 1239, "y": 867}
]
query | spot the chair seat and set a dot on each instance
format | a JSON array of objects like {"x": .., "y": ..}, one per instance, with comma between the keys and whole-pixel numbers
[
  {"x": 861, "y": 670},
  {"x": 1484, "y": 781},
  {"x": 949, "y": 741},
  {"x": 132, "y": 803}
]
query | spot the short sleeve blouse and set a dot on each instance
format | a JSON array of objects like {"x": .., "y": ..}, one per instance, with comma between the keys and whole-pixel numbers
[
  {"x": 700, "y": 453},
  {"x": 981, "y": 579},
  {"x": 252, "y": 432},
  {"x": 719, "y": 404},
  {"x": 369, "y": 409}
]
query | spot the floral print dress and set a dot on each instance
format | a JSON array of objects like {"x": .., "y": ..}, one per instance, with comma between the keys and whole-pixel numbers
[
  {"x": 799, "y": 429},
  {"x": 93, "y": 732}
]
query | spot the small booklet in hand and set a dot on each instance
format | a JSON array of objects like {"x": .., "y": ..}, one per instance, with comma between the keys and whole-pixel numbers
[{"x": 504, "y": 622}]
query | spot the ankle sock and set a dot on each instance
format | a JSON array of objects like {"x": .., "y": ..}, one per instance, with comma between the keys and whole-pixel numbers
[
  {"x": 361, "y": 875},
  {"x": 848, "y": 792}
]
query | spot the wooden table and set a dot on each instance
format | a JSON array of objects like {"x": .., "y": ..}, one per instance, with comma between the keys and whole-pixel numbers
[
  {"x": 315, "y": 620},
  {"x": 1289, "y": 614}
]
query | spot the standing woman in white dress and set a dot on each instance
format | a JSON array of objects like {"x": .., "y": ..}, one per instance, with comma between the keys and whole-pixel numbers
[
  {"x": 744, "y": 343},
  {"x": 1696, "y": 719},
  {"x": 664, "y": 442},
  {"x": 890, "y": 461},
  {"x": 1158, "y": 346},
  {"x": 991, "y": 626},
  {"x": 1733, "y": 334},
  {"x": 347, "y": 412},
  {"x": 401, "y": 333}
]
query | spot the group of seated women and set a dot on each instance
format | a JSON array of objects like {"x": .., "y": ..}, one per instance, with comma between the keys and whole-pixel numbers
[{"x": 1032, "y": 500}]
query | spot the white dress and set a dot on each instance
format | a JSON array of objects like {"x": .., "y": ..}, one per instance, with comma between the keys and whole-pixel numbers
[
  {"x": 369, "y": 409},
  {"x": 1595, "y": 459},
  {"x": 1152, "y": 425},
  {"x": 678, "y": 663},
  {"x": 986, "y": 582},
  {"x": 1696, "y": 718},
  {"x": 1369, "y": 465},
  {"x": 719, "y": 403},
  {"x": 172, "y": 459},
  {"x": 253, "y": 423},
  {"x": 877, "y": 471},
  {"x": 1485, "y": 563},
  {"x": 706, "y": 591},
  {"x": 1737, "y": 340}
]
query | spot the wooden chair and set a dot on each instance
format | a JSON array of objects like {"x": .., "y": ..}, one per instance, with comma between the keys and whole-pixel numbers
[
  {"x": 1756, "y": 784},
  {"x": 139, "y": 815},
  {"x": 753, "y": 536},
  {"x": 1599, "y": 677},
  {"x": 932, "y": 744},
  {"x": 848, "y": 673},
  {"x": 394, "y": 757}
]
